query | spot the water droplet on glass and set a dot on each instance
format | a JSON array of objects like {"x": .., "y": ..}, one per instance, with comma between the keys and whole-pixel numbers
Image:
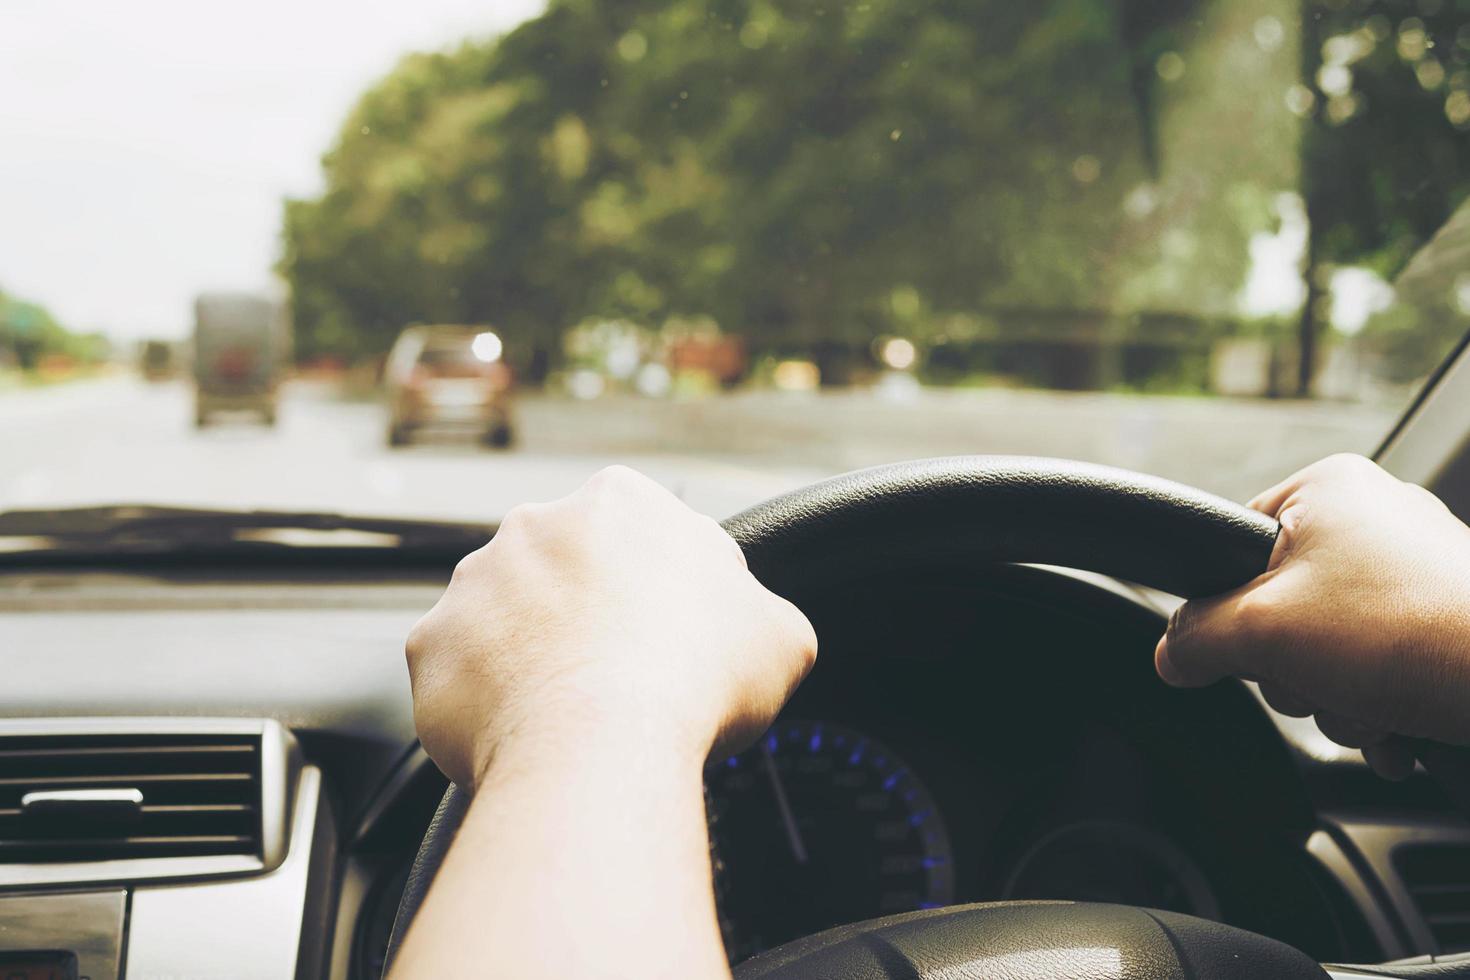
[{"x": 1170, "y": 66}]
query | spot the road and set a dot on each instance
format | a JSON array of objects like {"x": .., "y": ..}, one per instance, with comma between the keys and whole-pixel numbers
[{"x": 119, "y": 439}]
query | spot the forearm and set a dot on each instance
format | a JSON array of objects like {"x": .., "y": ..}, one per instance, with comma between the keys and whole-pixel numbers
[{"x": 579, "y": 857}]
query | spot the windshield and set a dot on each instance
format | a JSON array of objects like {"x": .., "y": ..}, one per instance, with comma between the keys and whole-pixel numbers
[{"x": 434, "y": 259}]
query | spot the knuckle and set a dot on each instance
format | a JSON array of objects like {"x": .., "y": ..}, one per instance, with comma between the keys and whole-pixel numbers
[
  {"x": 615, "y": 477},
  {"x": 1254, "y": 618},
  {"x": 468, "y": 566},
  {"x": 1292, "y": 516},
  {"x": 1289, "y": 524},
  {"x": 802, "y": 636},
  {"x": 509, "y": 526},
  {"x": 519, "y": 519},
  {"x": 419, "y": 641},
  {"x": 1331, "y": 470},
  {"x": 523, "y": 524},
  {"x": 808, "y": 649},
  {"x": 1350, "y": 462}
]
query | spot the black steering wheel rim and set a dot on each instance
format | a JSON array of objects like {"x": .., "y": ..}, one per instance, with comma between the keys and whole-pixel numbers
[
  {"x": 980, "y": 510},
  {"x": 985, "y": 510}
]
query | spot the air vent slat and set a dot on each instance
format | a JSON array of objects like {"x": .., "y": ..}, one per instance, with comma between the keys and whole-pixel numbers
[
  {"x": 146, "y": 825},
  {"x": 1437, "y": 877},
  {"x": 201, "y": 796},
  {"x": 129, "y": 778},
  {"x": 21, "y": 754},
  {"x": 105, "y": 848},
  {"x": 53, "y": 763}
]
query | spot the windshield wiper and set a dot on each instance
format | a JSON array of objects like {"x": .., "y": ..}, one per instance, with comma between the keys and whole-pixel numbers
[{"x": 146, "y": 529}]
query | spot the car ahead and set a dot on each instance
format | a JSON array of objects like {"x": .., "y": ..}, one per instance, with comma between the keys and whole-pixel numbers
[
  {"x": 445, "y": 376},
  {"x": 241, "y": 345}
]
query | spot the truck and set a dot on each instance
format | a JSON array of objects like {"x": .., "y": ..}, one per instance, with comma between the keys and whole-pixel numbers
[
  {"x": 241, "y": 348},
  {"x": 156, "y": 360}
]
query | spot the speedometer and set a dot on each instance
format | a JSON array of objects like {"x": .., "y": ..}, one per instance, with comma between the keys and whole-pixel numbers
[
  {"x": 1109, "y": 861},
  {"x": 817, "y": 825}
]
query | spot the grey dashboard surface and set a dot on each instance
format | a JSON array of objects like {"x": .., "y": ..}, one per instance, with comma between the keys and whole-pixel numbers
[
  {"x": 319, "y": 654},
  {"x": 315, "y": 656}
]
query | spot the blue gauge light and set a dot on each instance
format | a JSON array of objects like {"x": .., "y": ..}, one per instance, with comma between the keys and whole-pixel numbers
[{"x": 817, "y": 825}]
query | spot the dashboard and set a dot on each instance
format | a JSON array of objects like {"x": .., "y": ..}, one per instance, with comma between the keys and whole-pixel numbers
[{"x": 962, "y": 738}]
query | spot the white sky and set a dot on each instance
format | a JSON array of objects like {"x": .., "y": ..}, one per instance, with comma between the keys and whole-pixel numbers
[{"x": 145, "y": 146}]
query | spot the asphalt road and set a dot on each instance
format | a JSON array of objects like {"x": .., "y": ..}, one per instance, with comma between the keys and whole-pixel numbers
[{"x": 121, "y": 440}]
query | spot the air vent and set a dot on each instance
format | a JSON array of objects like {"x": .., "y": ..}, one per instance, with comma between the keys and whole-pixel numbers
[
  {"x": 1438, "y": 879},
  {"x": 101, "y": 797}
]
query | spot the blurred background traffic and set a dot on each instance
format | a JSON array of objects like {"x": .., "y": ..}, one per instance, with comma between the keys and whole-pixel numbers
[{"x": 437, "y": 261}]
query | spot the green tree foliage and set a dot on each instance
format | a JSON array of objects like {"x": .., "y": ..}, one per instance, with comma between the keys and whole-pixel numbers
[
  {"x": 1388, "y": 145},
  {"x": 1387, "y": 153},
  {"x": 798, "y": 172},
  {"x": 28, "y": 333},
  {"x": 825, "y": 172}
]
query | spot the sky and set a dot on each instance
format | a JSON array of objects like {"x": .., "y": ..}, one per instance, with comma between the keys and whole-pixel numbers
[{"x": 145, "y": 147}]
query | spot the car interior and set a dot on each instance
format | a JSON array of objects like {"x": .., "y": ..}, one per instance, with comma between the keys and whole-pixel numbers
[
  {"x": 740, "y": 245},
  {"x": 221, "y": 736}
]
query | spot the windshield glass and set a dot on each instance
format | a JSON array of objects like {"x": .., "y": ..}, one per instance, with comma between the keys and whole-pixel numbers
[{"x": 434, "y": 259}]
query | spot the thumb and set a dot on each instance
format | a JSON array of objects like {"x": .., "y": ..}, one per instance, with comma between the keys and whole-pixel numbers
[{"x": 1204, "y": 642}]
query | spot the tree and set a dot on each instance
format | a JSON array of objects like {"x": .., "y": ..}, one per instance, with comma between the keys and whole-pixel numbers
[
  {"x": 802, "y": 174},
  {"x": 1386, "y": 147},
  {"x": 28, "y": 332}
]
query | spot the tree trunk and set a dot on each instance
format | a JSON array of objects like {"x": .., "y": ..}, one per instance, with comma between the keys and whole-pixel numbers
[{"x": 1308, "y": 330}]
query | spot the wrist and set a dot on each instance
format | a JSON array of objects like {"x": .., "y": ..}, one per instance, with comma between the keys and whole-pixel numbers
[{"x": 576, "y": 732}]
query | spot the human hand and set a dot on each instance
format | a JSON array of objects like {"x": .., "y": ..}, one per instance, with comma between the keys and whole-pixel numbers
[
  {"x": 1362, "y": 618},
  {"x": 617, "y": 607}
]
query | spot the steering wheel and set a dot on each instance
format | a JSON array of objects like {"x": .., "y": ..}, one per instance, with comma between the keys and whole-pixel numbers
[{"x": 978, "y": 511}]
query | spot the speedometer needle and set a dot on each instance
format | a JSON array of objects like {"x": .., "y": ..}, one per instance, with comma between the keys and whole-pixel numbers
[{"x": 798, "y": 849}]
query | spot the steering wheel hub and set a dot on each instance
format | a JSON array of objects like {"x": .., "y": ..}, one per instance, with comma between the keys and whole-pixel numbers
[{"x": 1033, "y": 941}]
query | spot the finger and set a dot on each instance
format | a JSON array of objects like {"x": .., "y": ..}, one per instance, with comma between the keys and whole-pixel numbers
[
  {"x": 1287, "y": 702},
  {"x": 1393, "y": 758},
  {"x": 1280, "y": 502},
  {"x": 1339, "y": 466},
  {"x": 1205, "y": 642},
  {"x": 1271, "y": 500},
  {"x": 1348, "y": 731}
]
